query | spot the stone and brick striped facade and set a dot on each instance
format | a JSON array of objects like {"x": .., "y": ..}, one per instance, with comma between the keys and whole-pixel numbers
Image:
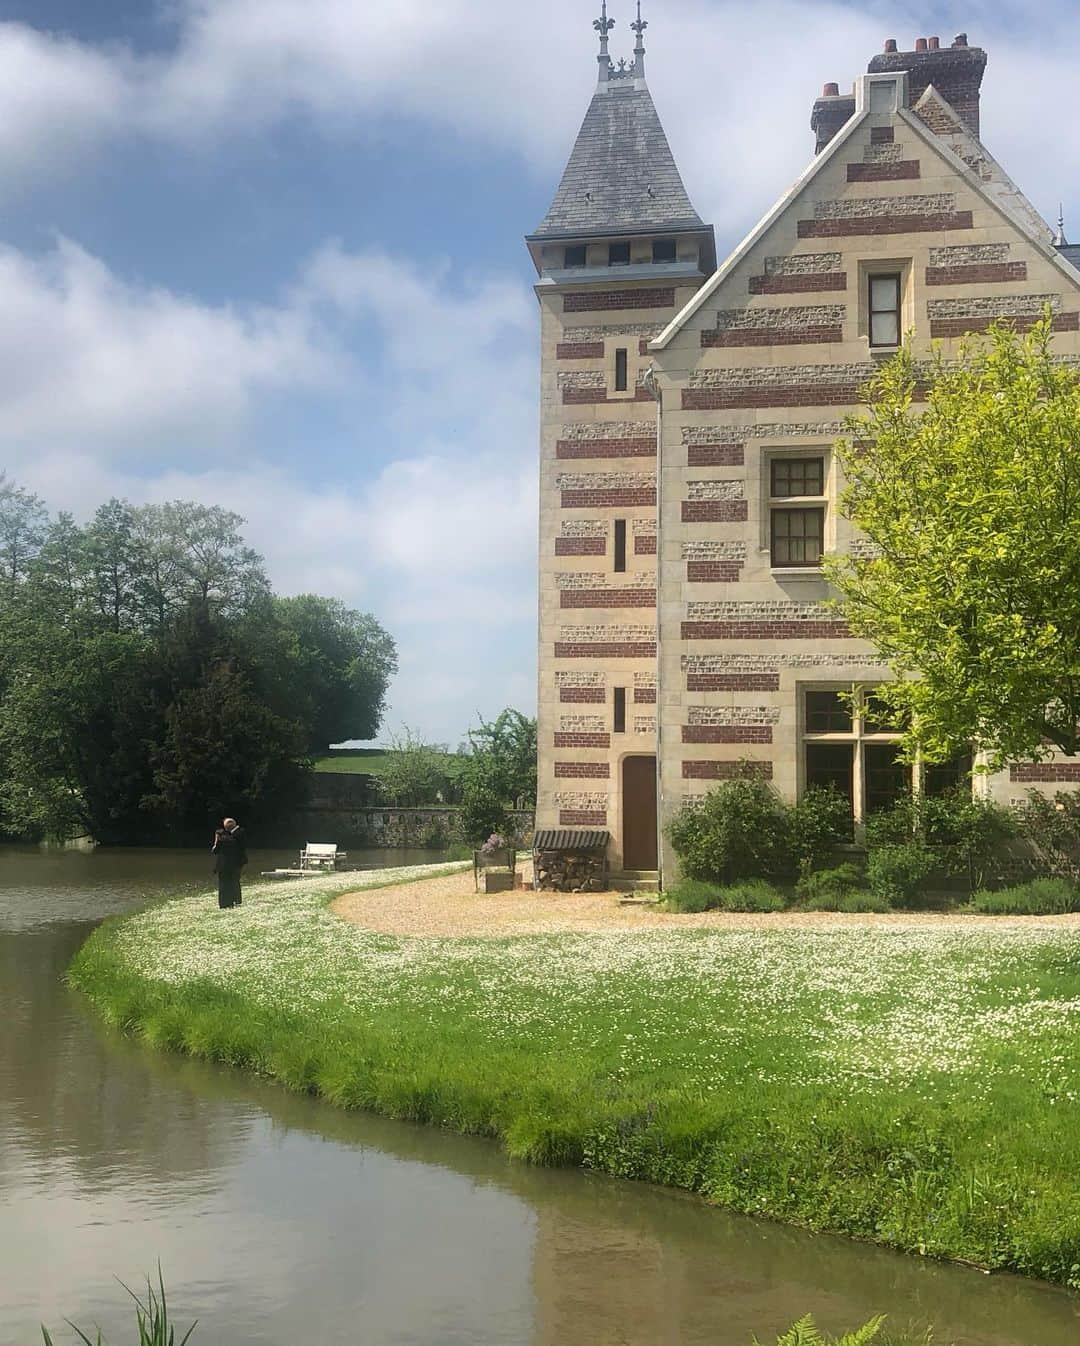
[{"x": 686, "y": 619}]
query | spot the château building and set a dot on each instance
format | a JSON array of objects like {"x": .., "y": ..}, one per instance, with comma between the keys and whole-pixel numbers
[{"x": 688, "y": 485}]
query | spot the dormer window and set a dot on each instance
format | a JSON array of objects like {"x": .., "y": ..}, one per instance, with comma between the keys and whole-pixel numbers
[
  {"x": 663, "y": 250},
  {"x": 618, "y": 254},
  {"x": 574, "y": 255}
]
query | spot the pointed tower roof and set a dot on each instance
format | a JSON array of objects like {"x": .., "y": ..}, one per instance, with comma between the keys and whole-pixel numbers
[{"x": 621, "y": 177}]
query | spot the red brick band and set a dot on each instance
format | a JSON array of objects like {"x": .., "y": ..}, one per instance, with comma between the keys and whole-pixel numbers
[
  {"x": 714, "y": 511},
  {"x": 727, "y": 770},
  {"x": 579, "y": 350},
  {"x": 775, "y": 336},
  {"x": 812, "y": 282},
  {"x": 580, "y": 546},
  {"x": 643, "y": 346},
  {"x": 1045, "y": 772},
  {"x": 605, "y": 448},
  {"x": 645, "y": 545},
  {"x": 609, "y": 299},
  {"x": 592, "y": 695},
  {"x": 568, "y": 740},
  {"x": 765, "y": 631},
  {"x": 886, "y": 224},
  {"x": 609, "y": 497},
  {"x": 902, "y": 169},
  {"x": 582, "y": 817},
  {"x": 733, "y": 682},
  {"x": 607, "y": 598},
  {"x": 605, "y": 649},
  {"x": 712, "y": 572},
  {"x": 727, "y": 733},
  {"x": 958, "y": 327},
  {"x": 645, "y": 696},
  {"x": 715, "y": 455},
  {"x": 583, "y": 770},
  {"x": 976, "y": 274}
]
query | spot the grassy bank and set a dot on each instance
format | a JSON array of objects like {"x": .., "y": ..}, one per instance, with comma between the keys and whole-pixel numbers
[{"x": 916, "y": 1087}]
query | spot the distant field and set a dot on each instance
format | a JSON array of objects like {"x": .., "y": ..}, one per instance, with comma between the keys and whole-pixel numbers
[{"x": 372, "y": 761}]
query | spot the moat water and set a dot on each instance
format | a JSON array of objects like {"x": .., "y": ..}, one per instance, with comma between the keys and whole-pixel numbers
[{"x": 279, "y": 1220}]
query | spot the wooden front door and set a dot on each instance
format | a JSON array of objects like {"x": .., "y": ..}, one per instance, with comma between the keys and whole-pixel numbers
[{"x": 639, "y": 812}]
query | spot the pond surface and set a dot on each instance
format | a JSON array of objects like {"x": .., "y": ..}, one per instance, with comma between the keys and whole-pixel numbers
[{"x": 280, "y": 1221}]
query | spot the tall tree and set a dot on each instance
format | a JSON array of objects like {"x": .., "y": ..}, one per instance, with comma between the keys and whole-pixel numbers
[
  {"x": 499, "y": 773},
  {"x": 972, "y": 503},
  {"x": 345, "y": 662}
]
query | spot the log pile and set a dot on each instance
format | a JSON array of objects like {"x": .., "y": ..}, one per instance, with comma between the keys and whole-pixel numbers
[{"x": 570, "y": 872}]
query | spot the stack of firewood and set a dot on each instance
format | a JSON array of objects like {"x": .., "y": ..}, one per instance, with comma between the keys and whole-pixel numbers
[{"x": 569, "y": 872}]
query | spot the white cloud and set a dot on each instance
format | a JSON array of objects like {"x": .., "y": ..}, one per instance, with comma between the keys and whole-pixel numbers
[
  {"x": 87, "y": 358},
  {"x": 101, "y": 380},
  {"x": 734, "y": 83}
]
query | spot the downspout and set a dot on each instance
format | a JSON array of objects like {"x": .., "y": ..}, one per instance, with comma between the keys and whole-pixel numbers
[{"x": 652, "y": 386}]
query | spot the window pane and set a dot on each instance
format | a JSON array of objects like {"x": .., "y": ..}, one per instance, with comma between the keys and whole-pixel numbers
[
  {"x": 941, "y": 778},
  {"x": 619, "y": 711},
  {"x": 620, "y": 370},
  {"x": 830, "y": 764},
  {"x": 663, "y": 250},
  {"x": 887, "y": 780},
  {"x": 883, "y": 294},
  {"x": 575, "y": 256},
  {"x": 884, "y": 329},
  {"x": 618, "y": 254},
  {"x": 797, "y": 536},
  {"x": 827, "y": 713},
  {"x": 620, "y": 544},
  {"x": 879, "y": 719},
  {"x": 797, "y": 476}
]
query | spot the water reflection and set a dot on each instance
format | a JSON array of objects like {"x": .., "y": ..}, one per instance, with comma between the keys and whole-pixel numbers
[{"x": 280, "y": 1220}]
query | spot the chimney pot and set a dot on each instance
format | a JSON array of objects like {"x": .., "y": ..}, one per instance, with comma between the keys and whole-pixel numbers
[
  {"x": 890, "y": 44},
  {"x": 831, "y": 91},
  {"x": 960, "y": 40},
  {"x": 920, "y": 44},
  {"x": 935, "y": 44}
]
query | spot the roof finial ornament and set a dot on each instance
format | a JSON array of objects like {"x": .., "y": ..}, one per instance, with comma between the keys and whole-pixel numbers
[
  {"x": 603, "y": 26},
  {"x": 639, "y": 50},
  {"x": 1060, "y": 240}
]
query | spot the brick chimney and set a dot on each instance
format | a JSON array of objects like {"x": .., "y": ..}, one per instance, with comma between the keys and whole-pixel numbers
[{"x": 956, "y": 72}]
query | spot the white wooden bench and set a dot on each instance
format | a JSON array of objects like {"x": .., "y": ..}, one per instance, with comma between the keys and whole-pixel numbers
[{"x": 320, "y": 855}]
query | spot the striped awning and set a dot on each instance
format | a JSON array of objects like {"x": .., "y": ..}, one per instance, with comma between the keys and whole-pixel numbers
[{"x": 569, "y": 839}]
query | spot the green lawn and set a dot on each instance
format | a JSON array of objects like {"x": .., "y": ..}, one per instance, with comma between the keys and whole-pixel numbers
[
  {"x": 918, "y": 1087},
  {"x": 372, "y": 761}
]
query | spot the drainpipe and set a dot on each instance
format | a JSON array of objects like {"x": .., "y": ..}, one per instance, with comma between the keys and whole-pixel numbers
[{"x": 652, "y": 386}]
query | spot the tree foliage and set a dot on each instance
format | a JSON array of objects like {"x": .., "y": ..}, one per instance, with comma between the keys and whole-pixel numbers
[
  {"x": 973, "y": 504},
  {"x": 499, "y": 773},
  {"x": 150, "y": 681},
  {"x": 415, "y": 771}
]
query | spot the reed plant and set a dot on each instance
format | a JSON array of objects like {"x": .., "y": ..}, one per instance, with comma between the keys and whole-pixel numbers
[{"x": 151, "y": 1317}]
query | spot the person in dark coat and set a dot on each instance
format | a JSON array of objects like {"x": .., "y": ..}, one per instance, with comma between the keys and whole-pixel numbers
[{"x": 230, "y": 856}]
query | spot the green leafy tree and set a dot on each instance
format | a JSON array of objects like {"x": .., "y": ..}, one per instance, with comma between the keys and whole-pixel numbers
[
  {"x": 415, "y": 772},
  {"x": 973, "y": 505},
  {"x": 345, "y": 661},
  {"x": 499, "y": 773}
]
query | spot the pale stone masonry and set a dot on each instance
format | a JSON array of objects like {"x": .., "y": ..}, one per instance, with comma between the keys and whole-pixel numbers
[{"x": 690, "y": 579}]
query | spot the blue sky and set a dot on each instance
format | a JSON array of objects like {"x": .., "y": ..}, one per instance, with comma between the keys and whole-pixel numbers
[{"x": 267, "y": 253}]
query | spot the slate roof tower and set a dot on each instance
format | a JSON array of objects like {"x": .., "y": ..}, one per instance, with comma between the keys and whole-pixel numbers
[{"x": 619, "y": 252}]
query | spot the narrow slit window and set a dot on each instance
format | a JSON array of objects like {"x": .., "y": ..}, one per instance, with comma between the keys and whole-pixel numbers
[
  {"x": 620, "y": 370},
  {"x": 885, "y": 310},
  {"x": 619, "y": 711},
  {"x": 574, "y": 255},
  {"x": 620, "y": 544},
  {"x": 618, "y": 254}
]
